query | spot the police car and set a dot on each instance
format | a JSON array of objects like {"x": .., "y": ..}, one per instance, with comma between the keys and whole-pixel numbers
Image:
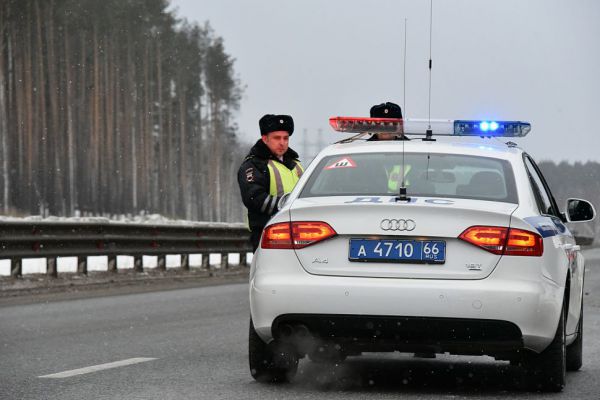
[{"x": 429, "y": 245}]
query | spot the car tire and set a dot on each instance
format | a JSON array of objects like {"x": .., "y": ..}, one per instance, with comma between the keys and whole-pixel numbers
[
  {"x": 271, "y": 362},
  {"x": 575, "y": 349},
  {"x": 546, "y": 371}
]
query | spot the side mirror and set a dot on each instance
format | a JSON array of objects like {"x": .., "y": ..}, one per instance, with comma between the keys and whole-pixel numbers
[{"x": 579, "y": 210}]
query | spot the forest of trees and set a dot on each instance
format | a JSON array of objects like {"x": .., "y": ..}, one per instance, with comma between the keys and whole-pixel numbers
[{"x": 115, "y": 107}]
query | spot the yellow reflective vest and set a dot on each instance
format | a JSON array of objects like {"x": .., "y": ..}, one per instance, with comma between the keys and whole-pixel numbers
[
  {"x": 281, "y": 179},
  {"x": 395, "y": 177}
]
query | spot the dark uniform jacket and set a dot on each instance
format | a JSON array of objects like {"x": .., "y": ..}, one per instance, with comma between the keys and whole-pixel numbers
[{"x": 254, "y": 181}]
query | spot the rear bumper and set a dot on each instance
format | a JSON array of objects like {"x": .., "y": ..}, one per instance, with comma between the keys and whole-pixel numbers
[
  {"x": 358, "y": 333},
  {"x": 513, "y": 298}
]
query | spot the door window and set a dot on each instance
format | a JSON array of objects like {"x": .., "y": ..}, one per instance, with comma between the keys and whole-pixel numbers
[{"x": 544, "y": 198}]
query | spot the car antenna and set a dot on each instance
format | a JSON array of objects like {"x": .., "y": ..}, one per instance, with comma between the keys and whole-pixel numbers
[
  {"x": 402, "y": 195},
  {"x": 429, "y": 133},
  {"x": 404, "y": 71}
]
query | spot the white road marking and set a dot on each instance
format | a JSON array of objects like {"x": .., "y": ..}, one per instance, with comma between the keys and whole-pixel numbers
[{"x": 99, "y": 367}]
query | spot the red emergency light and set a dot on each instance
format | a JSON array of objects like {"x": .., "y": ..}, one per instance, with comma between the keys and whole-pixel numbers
[{"x": 366, "y": 125}]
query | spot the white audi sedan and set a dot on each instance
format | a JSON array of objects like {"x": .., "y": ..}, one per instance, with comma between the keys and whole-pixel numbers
[{"x": 429, "y": 245}]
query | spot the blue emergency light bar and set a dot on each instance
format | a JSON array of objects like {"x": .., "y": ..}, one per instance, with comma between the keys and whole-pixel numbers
[
  {"x": 491, "y": 128},
  {"x": 436, "y": 127}
]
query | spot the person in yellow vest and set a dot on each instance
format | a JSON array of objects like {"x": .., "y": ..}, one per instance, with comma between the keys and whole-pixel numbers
[
  {"x": 395, "y": 177},
  {"x": 394, "y": 173},
  {"x": 270, "y": 170}
]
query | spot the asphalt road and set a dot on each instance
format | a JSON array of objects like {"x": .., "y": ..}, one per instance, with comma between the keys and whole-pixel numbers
[{"x": 191, "y": 344}]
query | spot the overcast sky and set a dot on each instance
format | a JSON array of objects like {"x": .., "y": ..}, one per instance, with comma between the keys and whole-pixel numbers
[{"x": 535, "y": 60}]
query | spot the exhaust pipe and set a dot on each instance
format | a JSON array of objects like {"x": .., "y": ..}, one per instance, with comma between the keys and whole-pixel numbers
[{"x": 302, "y": 331}]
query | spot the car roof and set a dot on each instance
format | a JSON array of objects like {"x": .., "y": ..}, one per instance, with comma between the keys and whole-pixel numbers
[{"x": 493, "y": 148}]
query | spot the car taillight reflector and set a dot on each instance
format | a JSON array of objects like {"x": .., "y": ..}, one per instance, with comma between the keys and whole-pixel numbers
[
  {"x": 504, "y": 241},
  {"x": 295, "y": 235}
]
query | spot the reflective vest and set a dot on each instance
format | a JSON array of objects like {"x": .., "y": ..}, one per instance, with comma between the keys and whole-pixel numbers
[
  {"x": 394, "y": 177},
  {"x": 281, "y": 179}
]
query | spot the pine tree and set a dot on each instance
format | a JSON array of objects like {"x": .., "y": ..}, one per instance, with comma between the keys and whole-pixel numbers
[{"x": 115, "y": 107}]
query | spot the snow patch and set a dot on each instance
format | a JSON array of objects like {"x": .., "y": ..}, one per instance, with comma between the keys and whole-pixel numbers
[
  {"x": 149, "y": 219},
  {"x": 100, "y": 263}
]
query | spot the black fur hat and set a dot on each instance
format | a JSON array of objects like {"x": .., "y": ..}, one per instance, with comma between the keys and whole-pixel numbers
[
  {"x": 271, "y": 123},
  {"x": 386, "y": 110}
]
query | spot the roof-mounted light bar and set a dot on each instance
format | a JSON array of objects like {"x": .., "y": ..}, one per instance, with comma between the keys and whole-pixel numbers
[
  {"x": 438, "y": 127},
  {"x": 491, "y": 128},
  {"x": 366, "y": 125}
]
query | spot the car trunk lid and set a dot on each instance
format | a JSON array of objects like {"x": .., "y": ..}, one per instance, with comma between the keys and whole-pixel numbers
[{"x": 433, "y": 220}]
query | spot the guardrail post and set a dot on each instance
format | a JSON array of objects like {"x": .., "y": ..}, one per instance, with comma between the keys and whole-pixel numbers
[
  {"x": 51, "y": 267},
  {"x": 224, "y": 260},
  {"x": 185, "y": 262},
  {"x": 243, "y": 259},
  {"x": 26, "y": 239},
  {"x": 16, "y": 267},
  {"x": 161, "y": 263},
  {"x": 82, "y": 265},
  {"x": 138, "y": 264},
  {"x": 111, "y": 265}
]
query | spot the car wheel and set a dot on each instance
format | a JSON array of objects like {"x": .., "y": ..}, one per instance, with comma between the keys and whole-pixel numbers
[
  {"x": 273, "y": 362},
  {"x": 575, "y": 349},
  {"x": 546, "y": 371}
]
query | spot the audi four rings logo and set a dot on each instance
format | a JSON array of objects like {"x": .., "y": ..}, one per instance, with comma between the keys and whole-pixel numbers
[{"x": 397, "y": 224}]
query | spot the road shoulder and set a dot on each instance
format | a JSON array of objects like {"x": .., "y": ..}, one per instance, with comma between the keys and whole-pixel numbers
[{"x": 40, "y": 288}]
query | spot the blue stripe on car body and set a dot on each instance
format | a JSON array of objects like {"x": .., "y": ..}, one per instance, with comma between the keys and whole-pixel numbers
[{"x": 548, "y": 226}]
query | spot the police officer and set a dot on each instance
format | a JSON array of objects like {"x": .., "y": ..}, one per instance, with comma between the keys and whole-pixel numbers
[
  {"x": 386, "y": 110},
  {"x": 270, "y": 170},
  {"x": 394, "y": 172}
]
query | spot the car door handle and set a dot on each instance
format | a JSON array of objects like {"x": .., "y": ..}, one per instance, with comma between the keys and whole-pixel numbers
[
  {"x": 576, "y": 247},
  {"x": 567, "y": 246}
]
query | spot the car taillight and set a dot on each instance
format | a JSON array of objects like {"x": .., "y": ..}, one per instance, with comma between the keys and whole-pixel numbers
[
  {"x": 504, "y": 241},
  {"x": 524, "y": 243},
  {"x": 490, "y": 238},
  {"x": 295, "y": 235},
  {"x": 307, "y": 233},
  {"x": 277, "y": 236}
]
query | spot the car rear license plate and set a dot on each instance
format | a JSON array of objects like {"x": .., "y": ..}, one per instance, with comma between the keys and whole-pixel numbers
[{"x": 398, "y": 251}]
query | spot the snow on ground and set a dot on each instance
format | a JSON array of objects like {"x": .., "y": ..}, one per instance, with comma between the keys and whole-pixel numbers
[
  {"x": 154, "y": 219},
  {"x": 99, "y": 263}
]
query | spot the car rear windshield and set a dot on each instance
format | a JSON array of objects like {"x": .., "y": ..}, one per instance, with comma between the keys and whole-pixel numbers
[{"x": 425, "y": 174}]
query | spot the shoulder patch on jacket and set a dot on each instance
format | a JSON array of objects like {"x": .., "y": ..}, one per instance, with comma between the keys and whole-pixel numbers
[{"x": 250, "y": 174}]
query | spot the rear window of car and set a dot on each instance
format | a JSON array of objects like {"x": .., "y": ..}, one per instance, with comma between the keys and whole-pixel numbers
[{"x": 425, "y": 174}]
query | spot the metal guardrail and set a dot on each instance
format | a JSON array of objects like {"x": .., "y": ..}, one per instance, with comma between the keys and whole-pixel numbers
[{"x": 36, "y": 239}]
